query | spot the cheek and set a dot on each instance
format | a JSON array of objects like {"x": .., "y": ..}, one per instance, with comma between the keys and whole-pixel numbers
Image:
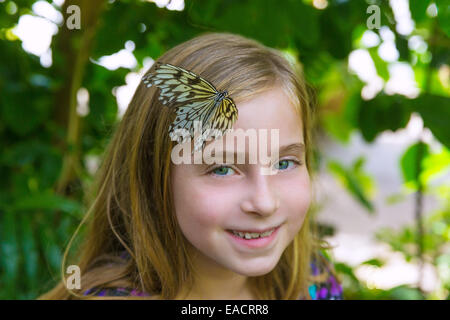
[
  {"x": 200, "y": 207},
  {"x": 296, "y": 199}
]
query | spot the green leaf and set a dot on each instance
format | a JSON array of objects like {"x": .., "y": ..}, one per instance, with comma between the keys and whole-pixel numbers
[
  {"x": 50, "y": 246},
  {"x": 401, "y": 43},
  {"x": 352, "y": 106},
  {"x": 412, "y": 162},
  {"x": 383, "y": 113},
  {"x": 443, "y": 266},
  {"x": 12, "y": 109},
  {"x": 404, "y": 292},
  {"x": 435, "y": 112},
  {"x": 355, "y": 181},
  {"x": 380, "y": 65},
  {"x": 347, "y": 270},
  {"x": 444, "y": 15},
  {"x": 30, "y": 254},
  {"x": 305, "y": 23},
  {"x": 47, "y": 201},
  {"x": 435, "y": 165},
  {"x": 277, "y": 22},
  {"x": 418, "y": 9},
  {"x": 337, "y": 126},
  {"x": 9, "y": 250},
  {"x": 343, "y": 121},
  {"x": 374, "y": 262},
  {"x": 396, "y": 198}
]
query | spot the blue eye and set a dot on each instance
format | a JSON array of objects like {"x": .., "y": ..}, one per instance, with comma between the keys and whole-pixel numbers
[
  {"x": 284, "y": 164},
  {"x": 222, "y": 171}
]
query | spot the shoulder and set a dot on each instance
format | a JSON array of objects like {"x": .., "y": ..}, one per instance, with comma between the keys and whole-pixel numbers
[
  {"x": 103, "y": 291},
  {"x": 325, "y": 284}
]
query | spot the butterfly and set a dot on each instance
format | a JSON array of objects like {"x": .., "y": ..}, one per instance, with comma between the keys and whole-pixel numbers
[{"x": 194, "y": 99}]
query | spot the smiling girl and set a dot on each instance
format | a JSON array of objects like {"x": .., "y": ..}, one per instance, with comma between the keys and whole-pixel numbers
[{"x": 162, "y": 230}]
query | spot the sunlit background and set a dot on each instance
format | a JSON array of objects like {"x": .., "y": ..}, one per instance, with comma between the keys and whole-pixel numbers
[
  {"x": 353, "y": 240},
  {"x": 36, "y": 32}
]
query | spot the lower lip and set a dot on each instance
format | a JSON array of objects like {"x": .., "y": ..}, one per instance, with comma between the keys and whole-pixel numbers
[{"x": 254, "y": 243}]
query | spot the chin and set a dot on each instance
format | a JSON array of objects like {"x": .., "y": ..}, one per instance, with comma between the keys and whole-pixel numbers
[
  {"x": 257, "y": 269},
  {"x": 258, "y": 273}
]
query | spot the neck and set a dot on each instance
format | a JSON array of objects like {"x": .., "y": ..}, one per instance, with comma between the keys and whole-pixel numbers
[{"x": 214, "y": 282}]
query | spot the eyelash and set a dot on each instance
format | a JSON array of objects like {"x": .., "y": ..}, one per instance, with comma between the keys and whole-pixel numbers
[{"x": 211, "y": 172}]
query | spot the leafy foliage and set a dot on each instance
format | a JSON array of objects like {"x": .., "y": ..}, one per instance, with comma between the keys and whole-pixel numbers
[{"x": 45, "y": 144}]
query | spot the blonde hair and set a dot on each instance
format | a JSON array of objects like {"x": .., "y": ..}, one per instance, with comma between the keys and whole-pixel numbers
[{"x": 132, "y": 205}]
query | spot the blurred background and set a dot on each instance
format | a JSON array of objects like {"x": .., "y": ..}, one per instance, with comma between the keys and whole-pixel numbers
[{"x": 68, "y": 70}]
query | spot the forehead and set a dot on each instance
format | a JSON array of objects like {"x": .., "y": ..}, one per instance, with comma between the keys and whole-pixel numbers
[
  {"x": 267, "y": 122},
  {"x": 271, "y": 109}
]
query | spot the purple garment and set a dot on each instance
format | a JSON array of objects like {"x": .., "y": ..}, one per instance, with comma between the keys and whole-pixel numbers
[
  {"x": 330, "y": 289},
  {"x": 115, "y": 292}
]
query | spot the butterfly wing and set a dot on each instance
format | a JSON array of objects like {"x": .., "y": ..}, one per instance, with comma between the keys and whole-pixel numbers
[
  {"x": 225, "y": 115},
  {"x": 187, "y": 115},
  {"x": 218, "y": 123},
  {"x": 200, "y": 110},
  {"x": 178, "y": 85},
  {"x": 195, "y": 99}
]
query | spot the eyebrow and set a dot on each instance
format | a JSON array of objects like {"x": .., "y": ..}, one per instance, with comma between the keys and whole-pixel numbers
[{"x": 297, "y": 149}]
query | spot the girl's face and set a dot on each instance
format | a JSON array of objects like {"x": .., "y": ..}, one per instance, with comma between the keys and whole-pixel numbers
[{"x": 212, "y": 201}]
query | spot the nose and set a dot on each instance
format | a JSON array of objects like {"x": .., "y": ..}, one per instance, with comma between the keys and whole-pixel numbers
[{"x": 262, "y": 199}]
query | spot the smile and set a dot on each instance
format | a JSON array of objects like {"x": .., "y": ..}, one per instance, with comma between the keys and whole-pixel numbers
[
  {"x": 253, "y": 235},
  {"x": 252, "y": 239}
]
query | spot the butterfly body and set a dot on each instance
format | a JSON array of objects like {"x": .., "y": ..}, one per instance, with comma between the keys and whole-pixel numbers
[
  {"x": 194, "y": 99},
  {"x": 221, "y": 95}
]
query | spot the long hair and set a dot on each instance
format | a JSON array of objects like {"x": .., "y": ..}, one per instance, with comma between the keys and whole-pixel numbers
[{"x": 131, "y": 208}]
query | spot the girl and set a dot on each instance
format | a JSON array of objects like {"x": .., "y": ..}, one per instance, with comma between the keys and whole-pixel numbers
[{"x": 165, "y": 230}]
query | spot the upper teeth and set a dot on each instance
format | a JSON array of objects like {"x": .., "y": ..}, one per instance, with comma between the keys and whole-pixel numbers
[{"x": 252, "y": 235}]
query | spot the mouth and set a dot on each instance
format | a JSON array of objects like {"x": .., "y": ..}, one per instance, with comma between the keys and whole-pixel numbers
[
  {"x": 253, "y": 239},
  {"x": 252, "y": 234}
]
